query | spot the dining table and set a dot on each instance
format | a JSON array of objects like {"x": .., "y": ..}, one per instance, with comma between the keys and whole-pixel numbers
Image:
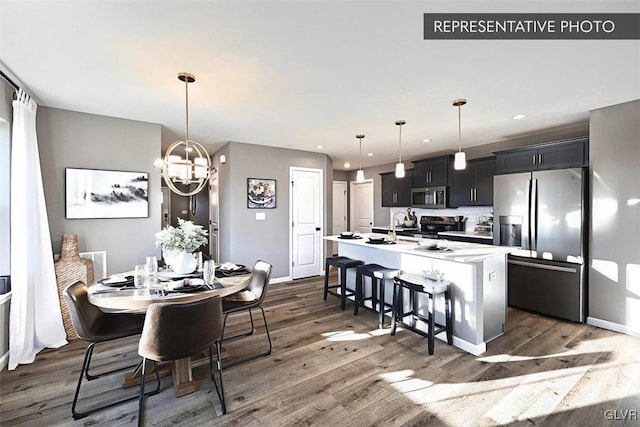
[{"x": 132, "y": 300}]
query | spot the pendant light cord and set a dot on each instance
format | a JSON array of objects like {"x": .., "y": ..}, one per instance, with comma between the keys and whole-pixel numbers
[
  {"x": 186, "y": 108},
  {"x": 459, "y": 130},
  {"x": 400, "y": 145},
  {"x": 360, "y": 154}
]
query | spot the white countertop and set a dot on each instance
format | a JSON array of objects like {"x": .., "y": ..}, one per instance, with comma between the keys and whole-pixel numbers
[
  {"x": 466, "y": 234},
  {"x": 459, "y": 251}
]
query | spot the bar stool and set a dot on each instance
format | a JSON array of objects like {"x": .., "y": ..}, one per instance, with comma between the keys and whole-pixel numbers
[
  {"x": 342, "y": 263},
  {"x": 378, "y": 275},
  {"x": 417, "y": 284}
]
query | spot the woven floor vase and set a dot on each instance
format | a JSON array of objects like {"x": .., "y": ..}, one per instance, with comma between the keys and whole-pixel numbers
[{"x": 71, "y": 268}]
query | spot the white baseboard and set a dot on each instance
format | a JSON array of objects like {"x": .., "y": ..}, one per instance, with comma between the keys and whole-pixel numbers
[
  {"x": 475, "y": 349},
  {"x": 287, "y": 278},
  {"x": 4, "y": 361},
  {"x": 616, "y": 327},
  {"x": 280, "y": 280}
]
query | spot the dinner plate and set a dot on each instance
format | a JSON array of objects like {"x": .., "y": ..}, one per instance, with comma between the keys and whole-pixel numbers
[
  {"x": 238, "y": 267},
  {"x": 229, "y": 273},
  {"x": 188, "y": 289},
  {"x": 170, "y": 275},
  {"x": 116, "y": 282},
  {"x": 349, "y": 237}
]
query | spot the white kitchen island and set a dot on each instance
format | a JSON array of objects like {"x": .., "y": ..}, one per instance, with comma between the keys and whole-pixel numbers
[{"x": 477, "y": 275}]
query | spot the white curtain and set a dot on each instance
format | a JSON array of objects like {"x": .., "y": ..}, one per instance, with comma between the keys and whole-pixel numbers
[{"x": 35, "y": 321}]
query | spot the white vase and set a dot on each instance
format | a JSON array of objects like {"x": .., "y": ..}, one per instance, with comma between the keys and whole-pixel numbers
[
  {"x": 184, "y": 263},
  {"x": 169, "y": 255}
]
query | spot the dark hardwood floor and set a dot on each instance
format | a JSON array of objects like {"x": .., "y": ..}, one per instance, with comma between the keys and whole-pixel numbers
[{"x": 329, "y": 367}]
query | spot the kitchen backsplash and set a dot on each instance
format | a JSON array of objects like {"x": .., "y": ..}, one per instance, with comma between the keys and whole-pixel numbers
[{"x": 472, "y": 213}]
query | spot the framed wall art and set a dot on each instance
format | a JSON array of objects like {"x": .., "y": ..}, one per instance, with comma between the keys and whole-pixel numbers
[
  {"x": 95, "y": 193},
  {"x": 261, "y": 193}
]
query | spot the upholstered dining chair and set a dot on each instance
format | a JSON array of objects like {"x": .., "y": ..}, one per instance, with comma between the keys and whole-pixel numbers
[
  {"x": 246, "y": 300},
  {"x": 94, "y": 326},
  {"x": 175, "y": 331}
]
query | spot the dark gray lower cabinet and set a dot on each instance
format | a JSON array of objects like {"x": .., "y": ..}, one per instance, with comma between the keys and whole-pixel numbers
[{"x": 547, "y": 287}]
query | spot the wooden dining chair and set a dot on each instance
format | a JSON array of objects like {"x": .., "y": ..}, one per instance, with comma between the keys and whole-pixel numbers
[
  {"x": 246, "y": 300},
  {"x": 94, "y": 326},
  {"x": 174, "y": 331}
]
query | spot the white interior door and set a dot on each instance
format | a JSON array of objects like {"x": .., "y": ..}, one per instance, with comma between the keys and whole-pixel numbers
[
  {"x": 362, "y": 206},
  {"x": 339, "y": 210},
  {"x": 306, "y": 222}
]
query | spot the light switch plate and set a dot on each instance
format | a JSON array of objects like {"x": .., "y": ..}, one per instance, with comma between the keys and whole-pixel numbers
[
  {"x": 184, "y": 211},
  {"x": 261, "y": 216},
  {"x": 492, "y": 275}
]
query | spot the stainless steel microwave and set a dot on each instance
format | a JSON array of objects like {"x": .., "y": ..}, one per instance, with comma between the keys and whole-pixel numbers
[{"x": 429, "y": 197}]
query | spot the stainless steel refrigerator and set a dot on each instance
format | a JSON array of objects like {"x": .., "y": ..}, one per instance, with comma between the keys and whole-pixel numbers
[{"x": 543, "y": 215}]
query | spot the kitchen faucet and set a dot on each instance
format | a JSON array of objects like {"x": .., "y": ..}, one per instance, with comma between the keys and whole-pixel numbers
[{"x": 392, "y": 233}]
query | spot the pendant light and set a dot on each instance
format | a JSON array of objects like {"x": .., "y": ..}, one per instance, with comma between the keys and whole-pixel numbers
[
  {"x": 360, "y": 173},
  {"x": 460, "y": 160},
  {"x": 400, "y": 165},
  {"x": 186, "y": 162}
]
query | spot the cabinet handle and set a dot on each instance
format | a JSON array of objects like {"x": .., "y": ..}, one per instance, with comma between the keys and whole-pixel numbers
[
  {"x": 475, "y": 194},
  {"x": 540, "y": 159},
  {"x": 534, "y": 159},
  {"x": 471, "y": 194}
]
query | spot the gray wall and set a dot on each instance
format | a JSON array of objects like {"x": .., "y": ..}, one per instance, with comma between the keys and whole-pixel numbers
[
  {"x": 245, "y": 240},
  {"x": 614, "y": 274},
  {"x": 71, "y": 139}
]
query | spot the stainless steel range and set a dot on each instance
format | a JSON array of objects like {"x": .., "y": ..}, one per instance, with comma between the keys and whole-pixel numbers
[{"x": 430, "y": 226}]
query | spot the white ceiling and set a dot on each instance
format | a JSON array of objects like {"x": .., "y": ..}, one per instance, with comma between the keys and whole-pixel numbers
[{"x": 298, "y": 74}]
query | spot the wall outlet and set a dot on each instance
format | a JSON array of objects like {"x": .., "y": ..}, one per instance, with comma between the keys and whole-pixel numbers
[
  {"x": 492, "y": 276},
  {"x": 471, "y": 218},
  {"x": 261, "y": 216}
]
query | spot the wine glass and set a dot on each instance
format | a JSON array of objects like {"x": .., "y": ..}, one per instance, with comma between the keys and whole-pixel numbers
[
  {"x": 209, "y": 272},
  {"x": 152, "y": 267},
  {"x": 139, "y": 276}
]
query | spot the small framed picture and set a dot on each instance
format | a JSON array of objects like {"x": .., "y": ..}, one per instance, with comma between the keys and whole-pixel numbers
[
  {"x": 261, "y": 193},
  {"x": 95, "y": 193}
]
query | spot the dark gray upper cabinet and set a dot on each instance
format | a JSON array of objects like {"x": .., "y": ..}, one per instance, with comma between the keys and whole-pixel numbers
[
  {"x": 431, "y": 172},
  {"x": 568, "y": 153},
  {"x": 396, "y": 192},
  {"x": 473, "y": 186}
]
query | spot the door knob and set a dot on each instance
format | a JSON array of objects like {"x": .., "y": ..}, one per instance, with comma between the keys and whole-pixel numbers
[{"x": 317, "y": 228}]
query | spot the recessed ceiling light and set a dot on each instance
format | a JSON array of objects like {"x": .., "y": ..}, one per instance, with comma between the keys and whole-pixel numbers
[
  {"x": 347, "y": 164},
  {"x": 369, "y": 154},
  {"x": 426, "y": 140},
  {"x": 519, "y": 116},
  {"x": 320, "y": 146}
]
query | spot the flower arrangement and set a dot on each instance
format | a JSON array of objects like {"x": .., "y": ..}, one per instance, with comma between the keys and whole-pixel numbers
[{"x": 186, "y": 237}]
